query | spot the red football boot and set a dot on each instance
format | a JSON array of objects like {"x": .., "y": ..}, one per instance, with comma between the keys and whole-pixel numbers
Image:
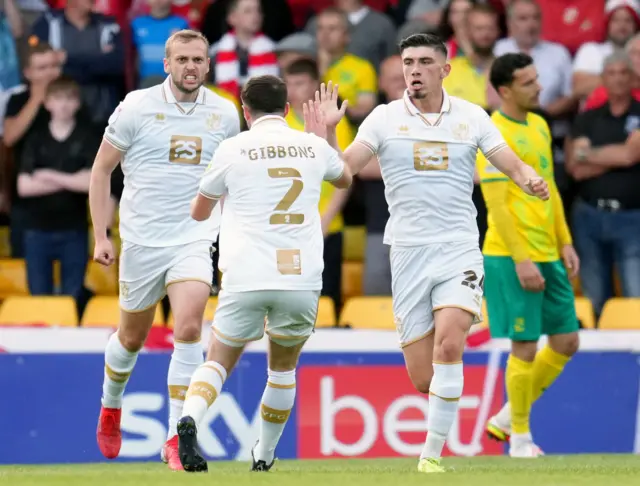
[
  {"x": 108, "y": 433},
  {"x": 170, "y": 455}
]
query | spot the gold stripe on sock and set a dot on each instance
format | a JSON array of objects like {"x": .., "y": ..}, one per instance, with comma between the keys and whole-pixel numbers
[
  {"x": 178, "y": 392},
  {"x": 180, "y": 341},
  {"x": 274, "y": 416},
  {"x": 204, "y": 390},
  {"x": 211, "y": 367},
  {"x": 281, "y": 387},
  {"x": 445, "y": 399},
  {"x": 117, "y": 376},
  {"x": 443, "y": 363}
]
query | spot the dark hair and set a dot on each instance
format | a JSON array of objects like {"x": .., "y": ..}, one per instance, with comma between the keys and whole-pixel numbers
[
  {"x": 483, "y": 8},
  {"x": 424, "y": 40},
  {"x": 505, "y": 66},
  {"x": 444, "y": 29},
  {"x": 265, "y": 94},
  {"x": 303, "y": 66},
  {"x": 36, "y": 46},
  {"x": 64, "y": 84},
  {"x": 332, "y": 10}
]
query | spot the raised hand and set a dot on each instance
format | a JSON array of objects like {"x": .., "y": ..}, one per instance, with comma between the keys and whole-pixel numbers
[
  {"x": 327, "y": 97},
  {"x": 314, "y": 119}
]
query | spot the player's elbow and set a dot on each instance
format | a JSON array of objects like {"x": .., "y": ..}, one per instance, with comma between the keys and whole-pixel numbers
[
  {"x": 345, "y": 180},
  {"x": 201, "y": 208}
]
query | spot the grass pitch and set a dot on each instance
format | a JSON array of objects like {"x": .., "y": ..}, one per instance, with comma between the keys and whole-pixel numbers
[{"x": 610, "y": 470}]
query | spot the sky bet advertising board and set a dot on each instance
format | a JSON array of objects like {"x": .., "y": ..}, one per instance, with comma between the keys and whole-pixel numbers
[{"x": 354, "y": 399}]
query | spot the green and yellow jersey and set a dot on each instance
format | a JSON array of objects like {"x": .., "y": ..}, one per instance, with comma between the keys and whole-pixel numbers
[
  {"x": 522, "y": 226},
  {"x": 354, "y": 76}
]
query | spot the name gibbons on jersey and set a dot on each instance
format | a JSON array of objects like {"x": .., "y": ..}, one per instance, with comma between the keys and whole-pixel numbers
[{"x": 281, "y": 152}]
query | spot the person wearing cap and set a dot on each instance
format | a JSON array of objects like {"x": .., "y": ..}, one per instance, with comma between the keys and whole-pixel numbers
[
  {"x": 623, "y": 21},
  {"x": 295, "y": 47}
]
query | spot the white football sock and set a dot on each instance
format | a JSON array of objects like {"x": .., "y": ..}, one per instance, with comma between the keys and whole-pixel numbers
[
  {"x": 118, "y": 364},
  {"x": 277, "y": 401},
  {"x": 444, "y": 398},
  {"x": 185, "y": 360},
  {"x": 503, "y": 417},
  {"x": 206, "y": 384}
]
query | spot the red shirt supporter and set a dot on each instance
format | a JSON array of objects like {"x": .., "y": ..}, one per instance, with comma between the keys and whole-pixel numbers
[
  {"x": 599, "y": 97},
  {"x": 573, "y": 22}
]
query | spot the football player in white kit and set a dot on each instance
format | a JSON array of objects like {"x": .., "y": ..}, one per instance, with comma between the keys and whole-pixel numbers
[
  {"x": 165, "y": 136},
  {"x": 271, "y": 248},
  {"x": 426, "y": 144}
]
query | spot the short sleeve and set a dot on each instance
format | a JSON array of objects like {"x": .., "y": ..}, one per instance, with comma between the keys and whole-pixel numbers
[
  {"x": 122, "y": 126},
  {"x": 580, "y": 127},
  {"x": 368, "y": 79},
  {"x": 490, "y": 140},
  {"x": 371, "y": 131},
  {"x": 586, "y": 60},
  {"x": 213, "y": 184},
  {"x": 233, "y": 128},
  {"x": 488, "y": 172},
  {"x": 335, "y": 165}
]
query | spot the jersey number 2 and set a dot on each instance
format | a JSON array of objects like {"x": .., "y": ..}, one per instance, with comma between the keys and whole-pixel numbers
[{"x": 281, "y": 216}]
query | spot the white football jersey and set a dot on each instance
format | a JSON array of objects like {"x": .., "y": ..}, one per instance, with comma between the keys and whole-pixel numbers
[
  {"x": 167, "y": 147},
  {"x": 270, "y": 178},
  {"x": 427, "y": 164}
]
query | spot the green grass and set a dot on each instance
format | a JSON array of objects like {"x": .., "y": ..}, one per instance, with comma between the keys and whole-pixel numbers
[{"x": 610, "y": 470}]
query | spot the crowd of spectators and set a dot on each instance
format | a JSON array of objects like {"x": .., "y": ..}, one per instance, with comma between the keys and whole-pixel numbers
[{"x": 65, "y": 64}]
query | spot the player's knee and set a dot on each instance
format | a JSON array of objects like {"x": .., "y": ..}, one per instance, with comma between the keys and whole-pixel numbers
[
  {"x": 188, "y": 328},
  {"x": 422, "y": 384},
  {"x": 524, "y": 350},
  {"x": 448, "y": 350},
  {"x": 132, "y": 339},
  {"x": 568, "y": 345}
]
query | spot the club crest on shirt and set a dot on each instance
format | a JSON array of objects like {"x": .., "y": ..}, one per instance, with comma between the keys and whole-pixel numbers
[
  {"x": 461, "y": 131},
  {"x": 213, "y": 121}
]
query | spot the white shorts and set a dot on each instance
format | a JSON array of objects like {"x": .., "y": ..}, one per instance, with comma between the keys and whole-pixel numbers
[
  {"x": 431, "y": 277},
  {"x": 290, "y": 316},
  {"x": 146, "y": 272}
]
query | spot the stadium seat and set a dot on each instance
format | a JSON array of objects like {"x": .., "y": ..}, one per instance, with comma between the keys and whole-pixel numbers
[
  {"x": 577, "y": 288},
  {"x": 620, "y": 313},
  {"x": 368, "y": 313},
  {"x": 36, "y": 310},
  {"x": 5, "y": 242},
  {"x": 584, "y": 309},
  {"x": 355, "y": 238},
  {"x": 13, "y": 278},
  {"x": 326, "y": 313},
  {"x": 351, "y": 279},
  {"x": 101, "y": 280},
  {"x": 104, "y": 311},
  {"x": 209, "y": 312}
]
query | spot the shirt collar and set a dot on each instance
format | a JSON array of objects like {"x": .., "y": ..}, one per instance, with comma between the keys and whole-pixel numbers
[
  {"x": 414, "y": 111},
  {"x": 266, "y": 120},
  {"x": 167, "y": 94}
]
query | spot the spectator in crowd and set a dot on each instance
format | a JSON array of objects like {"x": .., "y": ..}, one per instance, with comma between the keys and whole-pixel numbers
[
  {"x": 356, "y": 77},
  {"x": 603, "y": 155},
  {"x": 599, "y": 96},
  {"x": 622, "y": 20},
  {"x": 91, "y": 49},
  {"x": 150, "y": 33},
  {"x": 303, "y": 79},
  {"x": 10, "y": 29},
  {"x": 300, "y": 45},
  {"x": 453, "y": 27},
  {"x": 277, "y": 19},
  {"x": 377, "y": 269},
  {"x": 427, "y": 11},
  {"x": 53, "y": 181},
  {"x": 372, "y": 35},
  {"x": 26, "y": 113},
  {"x": 244, "y": 51},
  {"x": 469, "y": 76},
  {"x": 573, "y": 23}
]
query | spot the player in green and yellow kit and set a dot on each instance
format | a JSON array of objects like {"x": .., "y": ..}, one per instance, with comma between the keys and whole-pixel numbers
[{"x": 528, "y": 250}]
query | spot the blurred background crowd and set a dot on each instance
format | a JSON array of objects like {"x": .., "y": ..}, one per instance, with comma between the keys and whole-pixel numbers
[{"x": 66, "y": 64}]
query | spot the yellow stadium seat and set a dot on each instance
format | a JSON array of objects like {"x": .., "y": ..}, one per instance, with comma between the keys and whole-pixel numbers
[
  {"x": 354, "y": 238},
  {"x": 101, "y": 280},
  {"x": 352, "y": 279},
  {"x": 368, "y": 313},
  {"x": 620, "y": 313},
  {"x": 485, "y": 315},
  {"x": 36, "y": 310},
  {"x": 104, "y": 311},
  {"x": 577, "y": 289},
  {"x": 584, "y": 309},
  {"x": 5, "y": 242},
  {"x": 13, "y": 278},
  {"x": 209, "y": 312},
  {"x": 326, "y": 313}
]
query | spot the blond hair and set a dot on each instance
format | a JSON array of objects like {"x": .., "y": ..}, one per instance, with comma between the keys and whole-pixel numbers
[{"x": 184, "y": 36}]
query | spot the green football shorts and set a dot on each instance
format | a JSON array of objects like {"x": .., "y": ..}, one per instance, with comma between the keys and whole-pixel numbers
[{"x": 521, "y": 315}]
